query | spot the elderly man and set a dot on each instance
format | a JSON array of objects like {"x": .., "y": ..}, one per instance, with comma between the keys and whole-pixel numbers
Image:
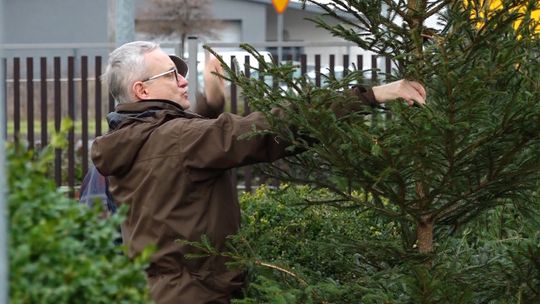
[{"x": 172, "y": 167}]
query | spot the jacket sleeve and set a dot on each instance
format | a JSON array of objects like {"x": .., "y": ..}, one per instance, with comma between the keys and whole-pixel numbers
[
  {"x": 205, "y": 109},
  {"x": 225, "y": 142},
  {"x": 362, "y": 94}
]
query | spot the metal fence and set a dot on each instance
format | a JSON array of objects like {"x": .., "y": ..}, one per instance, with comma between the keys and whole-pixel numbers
[{"x": 40, "y": 92}]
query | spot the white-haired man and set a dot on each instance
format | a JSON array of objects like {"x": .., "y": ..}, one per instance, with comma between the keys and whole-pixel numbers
[{"x": 172, "y": 167}]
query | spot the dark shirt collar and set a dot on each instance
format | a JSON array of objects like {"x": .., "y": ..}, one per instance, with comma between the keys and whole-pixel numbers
[{"x": 147, "y": 105}]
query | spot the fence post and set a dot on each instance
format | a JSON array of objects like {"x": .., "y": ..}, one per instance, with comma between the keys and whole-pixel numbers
[
  {"x": 247, "y": 169},
  {"x": 124, "y": 21},
  {"x": 193, "y": 45},
  {"x": 30, "y": 102},
  {"x": 16, "y": 99},
  {"x": 84, "y": 114},
  {"x": 43, "y": 103},
  {"x": 71, "y": 132},
  {"x": 280, "y": 37},
  {"x": 3, "y": 206},
  {"x": 57, "y": 119}
]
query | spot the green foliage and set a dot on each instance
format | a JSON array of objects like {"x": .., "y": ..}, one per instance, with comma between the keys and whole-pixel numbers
[
  {"x": 308, "y": 255},
  {"x": 451, "y": 187},
  {"x": 324, "y": 254},
  {"x": 60, "y": 251},
  {"x": 472, "y": 147}
]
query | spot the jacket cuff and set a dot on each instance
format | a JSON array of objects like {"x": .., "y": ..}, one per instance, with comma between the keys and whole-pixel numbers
[
  {"x": 204, "y": 109},
  {"x": 365, "y": 95}
]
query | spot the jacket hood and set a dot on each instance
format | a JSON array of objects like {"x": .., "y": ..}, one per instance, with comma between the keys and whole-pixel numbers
[{"x": 130, "y": 126}]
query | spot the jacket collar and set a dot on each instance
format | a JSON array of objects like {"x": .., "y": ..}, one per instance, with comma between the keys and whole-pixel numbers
[
  {"x": 147, "y": 105},
  {"x": 129, "y": 112}
]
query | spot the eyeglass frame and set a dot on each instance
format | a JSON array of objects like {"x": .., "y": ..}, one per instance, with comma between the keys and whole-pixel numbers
[{"x": 172, "y": 70}]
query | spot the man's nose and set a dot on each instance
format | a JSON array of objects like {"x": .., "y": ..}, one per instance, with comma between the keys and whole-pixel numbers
[{"x": 182, "y": 81}]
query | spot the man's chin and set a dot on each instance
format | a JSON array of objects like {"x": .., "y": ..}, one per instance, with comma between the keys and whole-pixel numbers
[{"x": 185, "y": 104}]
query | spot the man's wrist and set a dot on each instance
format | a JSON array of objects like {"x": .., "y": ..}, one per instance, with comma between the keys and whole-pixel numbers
[
  {"x": 366, "y": 95},
  {"x": 379, "y": 94}
]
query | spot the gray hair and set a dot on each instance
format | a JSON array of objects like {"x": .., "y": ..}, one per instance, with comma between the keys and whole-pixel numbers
[{"x": 126, "y": 65}]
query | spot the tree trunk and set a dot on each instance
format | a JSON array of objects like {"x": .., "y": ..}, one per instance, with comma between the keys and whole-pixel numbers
[
  {"x": 424, "y": 229},
  {"x": 424, "y": 234},
  {"x": 415, "y": 8}
]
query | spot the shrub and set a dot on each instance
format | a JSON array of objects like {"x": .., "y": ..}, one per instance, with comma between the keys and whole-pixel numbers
[
  {"x": 297, "y": 253},
  {"x": 60, "y": 251}
]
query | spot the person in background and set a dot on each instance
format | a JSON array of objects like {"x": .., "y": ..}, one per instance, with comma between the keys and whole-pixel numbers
[{"x": 172, "y": 167}]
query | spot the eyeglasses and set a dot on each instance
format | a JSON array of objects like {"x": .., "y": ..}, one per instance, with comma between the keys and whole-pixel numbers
[{"x": 173, "y": 71}]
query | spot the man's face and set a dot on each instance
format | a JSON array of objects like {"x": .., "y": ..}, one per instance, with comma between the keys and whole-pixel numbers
[{"x": 163, "y": 82}]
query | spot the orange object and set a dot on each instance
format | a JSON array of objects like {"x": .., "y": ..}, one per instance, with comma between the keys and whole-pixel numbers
[{"x": 280, "y": 5}]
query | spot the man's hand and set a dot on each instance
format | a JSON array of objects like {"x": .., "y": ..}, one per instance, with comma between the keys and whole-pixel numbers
[
  {"x": 214, "y": 86},
  {"x": 411, "y": 91}
]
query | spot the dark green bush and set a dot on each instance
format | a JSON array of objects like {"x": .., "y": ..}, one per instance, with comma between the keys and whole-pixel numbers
[
  {"x": 323, "y": 254},
  {"x": 60, "y": 251}
]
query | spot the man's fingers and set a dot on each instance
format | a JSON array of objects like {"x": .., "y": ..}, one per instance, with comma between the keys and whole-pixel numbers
[
  {"x": 415, "y": 99},
  {"x": 419, "y": 88},
  {"x": 417, "y": 93},
  {"x": 411, "y": 91},
  {"x": 420, "y": 99}
]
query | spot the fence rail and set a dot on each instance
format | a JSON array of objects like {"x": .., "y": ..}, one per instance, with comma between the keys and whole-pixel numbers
[{"x": 39, "y": 92}]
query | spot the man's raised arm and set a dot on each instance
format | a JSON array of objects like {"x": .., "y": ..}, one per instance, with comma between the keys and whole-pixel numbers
[{"x": 211, "y": 103}]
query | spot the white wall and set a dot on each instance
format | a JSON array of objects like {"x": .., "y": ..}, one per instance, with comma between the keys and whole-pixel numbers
[
  {"x": 55, "y": 21},
  {"x": 297, "y": 28},
  {"x": 251, "y": 16}
]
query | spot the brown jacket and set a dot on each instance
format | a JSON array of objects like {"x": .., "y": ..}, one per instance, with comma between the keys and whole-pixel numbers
[{"x": 172, "y": 169}]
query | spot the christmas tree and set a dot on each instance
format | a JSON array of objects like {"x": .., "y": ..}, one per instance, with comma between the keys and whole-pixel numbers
[{"x": 432, "y": 173}]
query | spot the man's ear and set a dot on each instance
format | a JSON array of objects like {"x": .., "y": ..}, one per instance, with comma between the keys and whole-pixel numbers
[{"x": 140, "y": 90}]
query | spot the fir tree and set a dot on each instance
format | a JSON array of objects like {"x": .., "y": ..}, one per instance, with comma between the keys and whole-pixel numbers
[
  {"x": 472, "y": 148},
  {"x": 433, "y": 169}
]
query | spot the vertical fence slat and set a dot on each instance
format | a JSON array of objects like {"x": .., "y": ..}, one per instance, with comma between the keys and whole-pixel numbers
[
  {"x": 345, "y": 65},
  {"x": 388, "y": 68},
  {"x": 84, "y": 113},
  {"x": 234, "y": 97},
  {"x": 44, "y": 110},
  {"x": 247, "y": 71},
  {"x": 71, "y": 132},
  {"x": 5, "y": 103},
  {"x": 234, "y": 110},
  {"x": 332, "y": 63},
  {"x": 30, "y": 101},
  {"x": 360, "y": 62},
  {"x": 248, "y": 169},
  {"x": 16, "y": 99},
  {"x": 275, "y": 81},
  {"x": 262, "y": 179},
  {"x": 57, "y": 120},
  {"x": 303, "y": 64},
  {"x": 318, "y": 70},
  {"x": 97, "y": 86},
  {"x": 374, "y": 67}
]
